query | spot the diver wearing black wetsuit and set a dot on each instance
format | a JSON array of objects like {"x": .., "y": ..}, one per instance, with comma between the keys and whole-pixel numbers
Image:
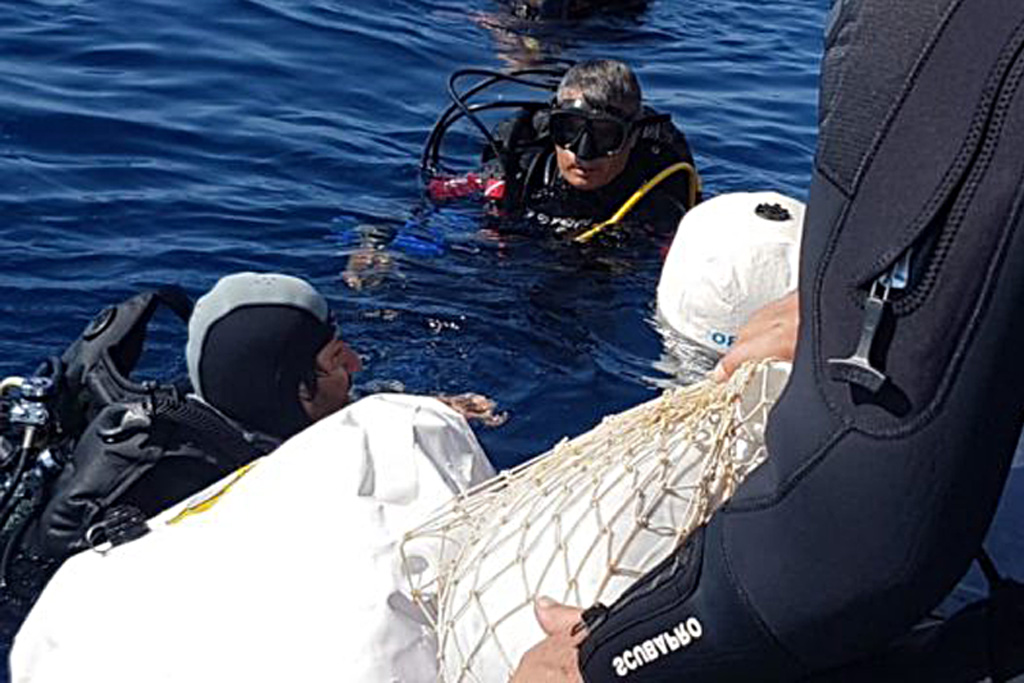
[
  {"x": 538, "y": 191},
  {"x": 594, "y": 154},
  {"x": 890, "y": 446},
  {"x": 264, "y": 364}
]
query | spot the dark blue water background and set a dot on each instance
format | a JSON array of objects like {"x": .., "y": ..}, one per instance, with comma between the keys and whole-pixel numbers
[{"x": 147, "y": 141}]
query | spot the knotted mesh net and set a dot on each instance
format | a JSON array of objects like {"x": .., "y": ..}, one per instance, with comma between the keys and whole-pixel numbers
[{"x": 584, "y": 521}]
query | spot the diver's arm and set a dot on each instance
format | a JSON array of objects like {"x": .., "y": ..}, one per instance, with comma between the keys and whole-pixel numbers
[
  {"x": 684, "y": 619},
  {"x": 474, "y": 407},
  {"x": 687, "y": 619}
]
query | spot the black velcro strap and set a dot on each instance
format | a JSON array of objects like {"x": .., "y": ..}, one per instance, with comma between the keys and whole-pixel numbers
[{"x": 121, "y": 524}]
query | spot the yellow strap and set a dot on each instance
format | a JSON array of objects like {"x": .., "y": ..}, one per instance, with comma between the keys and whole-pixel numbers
[
  {"x": 207, "y": 503},
  {"x": 642, "y": 192}
]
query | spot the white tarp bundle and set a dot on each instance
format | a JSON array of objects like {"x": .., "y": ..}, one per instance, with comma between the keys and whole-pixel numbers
[
  {"x": 292, "y": 575},
  {"x": 314, "y": 564}
]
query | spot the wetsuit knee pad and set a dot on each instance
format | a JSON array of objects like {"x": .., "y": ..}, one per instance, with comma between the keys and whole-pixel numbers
[{"x": 890, "y": 446}]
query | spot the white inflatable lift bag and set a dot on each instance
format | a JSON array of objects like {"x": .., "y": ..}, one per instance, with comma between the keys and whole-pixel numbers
[
  {"x": 292, "y": 575},
  {"x": 731, "y": 255}
]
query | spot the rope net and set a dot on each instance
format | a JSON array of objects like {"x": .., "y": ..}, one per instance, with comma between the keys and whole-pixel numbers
[{"x": 584, "y": 521}]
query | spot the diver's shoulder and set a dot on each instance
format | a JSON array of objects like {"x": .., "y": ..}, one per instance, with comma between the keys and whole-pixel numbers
[{"x": 659, "y": 126}]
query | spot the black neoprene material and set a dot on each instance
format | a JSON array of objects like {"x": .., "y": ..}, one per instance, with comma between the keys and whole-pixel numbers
[
  {"x": 871, "y": 505},
  {"x": 96, "y": 368},
  {"x": 148, "y": 459},
  {"x": 534, "y": 185},
  {"x": 254, "y": 360},
  {"x": 981, "y": 642}
]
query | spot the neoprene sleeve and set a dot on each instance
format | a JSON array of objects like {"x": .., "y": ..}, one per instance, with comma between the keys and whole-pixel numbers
[{"x": 876, "y": 494}]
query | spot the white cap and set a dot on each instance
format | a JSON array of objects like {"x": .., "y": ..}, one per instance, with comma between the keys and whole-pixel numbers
[{"x": 731, "y": 255}]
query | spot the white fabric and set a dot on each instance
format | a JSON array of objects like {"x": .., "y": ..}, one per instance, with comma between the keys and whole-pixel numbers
[
  {"x": 725, "y": 263},
  {"x": 580, "y": 523},
  {"x": 293, "y": 575}
]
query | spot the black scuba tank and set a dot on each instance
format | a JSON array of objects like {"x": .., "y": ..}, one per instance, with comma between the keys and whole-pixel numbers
[
  {"x": 890, "y": 446},
  {"x": 127, "y": 449}
]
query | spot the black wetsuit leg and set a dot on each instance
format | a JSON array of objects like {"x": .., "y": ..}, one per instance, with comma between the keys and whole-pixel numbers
[{"x": 876, "y": 495}]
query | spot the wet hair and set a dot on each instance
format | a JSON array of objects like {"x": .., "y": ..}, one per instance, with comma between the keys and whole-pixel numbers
[
  {"x": 607, "y": 86},
  {"x": 253, "y": 341}
]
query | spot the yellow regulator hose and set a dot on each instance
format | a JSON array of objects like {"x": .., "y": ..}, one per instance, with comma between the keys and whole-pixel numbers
[{"x": 642, "y": 192}]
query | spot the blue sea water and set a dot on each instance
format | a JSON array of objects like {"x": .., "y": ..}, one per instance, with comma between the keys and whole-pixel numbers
[{"x": 151, "y": 142}]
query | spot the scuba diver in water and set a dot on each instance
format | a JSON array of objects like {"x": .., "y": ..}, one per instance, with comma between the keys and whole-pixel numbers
[
  {"x": 581, "y": 163},
  {"x": 531, "y": 33},
  {"x": 593, "y": 162},
  {"x": 264, "y": 360}
]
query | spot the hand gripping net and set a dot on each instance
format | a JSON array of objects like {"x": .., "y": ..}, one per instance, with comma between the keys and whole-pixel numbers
[{"x": 582, "y": 522}]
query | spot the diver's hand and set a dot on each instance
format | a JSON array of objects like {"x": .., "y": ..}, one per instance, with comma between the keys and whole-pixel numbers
[
  {"x": 770, "y": 333},
  {"x": 367, "y": 268},
  {"x": 475, "y": 407},
  {"x": 554, "y": 659}
]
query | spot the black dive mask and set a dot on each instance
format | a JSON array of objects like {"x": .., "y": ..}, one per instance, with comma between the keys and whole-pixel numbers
[{"x": 589, "y": 135}]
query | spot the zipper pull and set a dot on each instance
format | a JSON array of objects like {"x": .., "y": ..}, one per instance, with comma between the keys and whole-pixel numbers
[{"x": 857, "y": 368}]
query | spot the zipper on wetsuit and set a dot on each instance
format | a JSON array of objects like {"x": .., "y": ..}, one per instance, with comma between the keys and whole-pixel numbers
[{"x": 857, "y": 367}]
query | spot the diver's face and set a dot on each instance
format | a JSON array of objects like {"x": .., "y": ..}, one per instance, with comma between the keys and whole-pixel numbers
[
  {"x": 590, "y": 174},
  {"x": 335, "y": 364},
  {"x": 598, "y": 169}
]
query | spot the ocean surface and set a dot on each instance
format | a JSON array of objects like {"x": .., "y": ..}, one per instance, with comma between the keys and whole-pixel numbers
[{"x": 150, "y": 142}]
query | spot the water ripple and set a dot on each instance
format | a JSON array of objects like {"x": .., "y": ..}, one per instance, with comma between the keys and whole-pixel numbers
[{"x": 147, "y": 142}]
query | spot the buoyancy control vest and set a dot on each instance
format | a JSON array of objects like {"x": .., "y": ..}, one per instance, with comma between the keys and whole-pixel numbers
[
  {"x": 891, "y": 444},
  {"x": 133, "y": 461},
  {"x": 126, "y": 449}
]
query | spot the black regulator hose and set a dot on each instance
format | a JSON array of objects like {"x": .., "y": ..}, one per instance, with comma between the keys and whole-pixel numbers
[
  {"x": 431, "y": 152},
  {"x": 460, "y": 99},
  {"x": 13, "y": 541},
  {"x": 14, "y": 482},
  {"x": 461, "y": 108}
]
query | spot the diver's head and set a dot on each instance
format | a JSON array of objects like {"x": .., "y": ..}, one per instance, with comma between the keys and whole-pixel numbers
[
  {"x": 263, "y": 350},
  {"x": 592, "y": 122}
]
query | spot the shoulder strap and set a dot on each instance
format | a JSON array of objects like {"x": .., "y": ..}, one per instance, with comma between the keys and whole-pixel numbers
[
  {"x": 95, "y": 370},
  {"x": 234, "y": 446}
]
